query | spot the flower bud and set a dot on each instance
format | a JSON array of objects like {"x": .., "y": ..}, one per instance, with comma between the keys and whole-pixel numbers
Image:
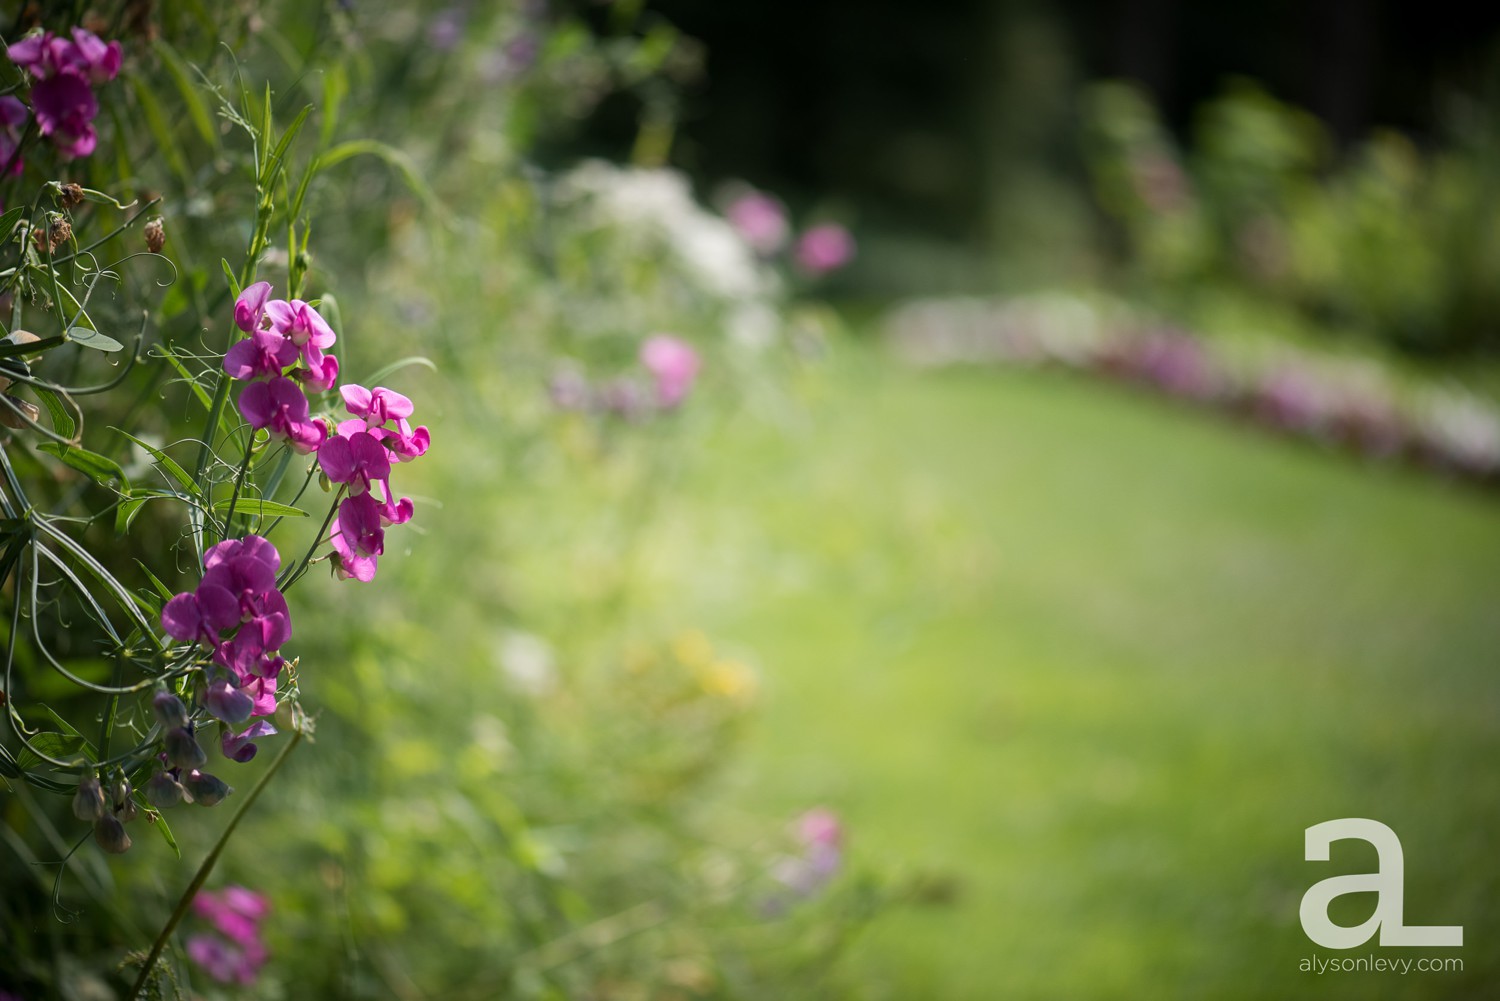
[
  {"x": 182, "y": 750},
  {"x": 156, "y": 236},
  {"x": 110, "y": 835},
  {"x": 206, "y": 789},
  {"x": 88, "y": 801},
  {"x": 170, "y": 712},
  {"x": 163, "y": 791},
  {"x": 124, "y": 801}
]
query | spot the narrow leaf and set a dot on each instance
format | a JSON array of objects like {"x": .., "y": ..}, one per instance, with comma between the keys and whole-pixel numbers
[{"x": 105, "y": 472}]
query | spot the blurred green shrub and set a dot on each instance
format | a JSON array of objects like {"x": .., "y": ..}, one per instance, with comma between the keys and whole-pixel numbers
[{"x": 1392, "y": 240}]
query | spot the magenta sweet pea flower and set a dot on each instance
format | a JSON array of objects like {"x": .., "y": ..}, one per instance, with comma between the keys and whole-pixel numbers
[
  {"x": 360, "y": 525},
  {"x": 280, "y": 406},
  {"x": 320, "y": 379},
  {"x": 673, "y": 365},
  {"x": 233, "y": 951},
  {"x": 300, "y": 323},
  {"x": 252, "y": 546},
  {"x": 349, "y": 564},
  {"x": 65, "y": 107},
  {"x": 250, "y": 307},
  {"x": 89, "y": 54},
  {"x": 228, "y": 703},
  {"x": 760, "y": 220},
  {"x": 239, "y": 746},
  {"x": 200, "y": 616},
  {"x": 263, "y": 353},
  {"x": 824, "y": 248},
  {"x": 358, "y": 460},
  {"x": 380, "y": 407}
]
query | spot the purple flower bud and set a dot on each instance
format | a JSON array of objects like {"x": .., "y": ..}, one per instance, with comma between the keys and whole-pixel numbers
[
  {"x": 124, "y": 801},
  {"x": 163, "y": 791},
  {"x": 110, "y": 834},
  {"x": 88, "y": 801},
  {"x": 206, "y": 789},
  {"x": 170, "y": 712},
  {"x": 182, "y": 750}
]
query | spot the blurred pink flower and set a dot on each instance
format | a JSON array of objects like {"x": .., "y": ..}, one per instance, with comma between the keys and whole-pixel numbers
[
  {"x": 673, "y": 364},
  {"x": 824, "y": 248},
  {"x": 761, "y": 220}
]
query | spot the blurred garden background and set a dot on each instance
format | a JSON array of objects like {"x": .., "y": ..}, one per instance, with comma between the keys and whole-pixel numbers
[{"x": 923, "y": 502}]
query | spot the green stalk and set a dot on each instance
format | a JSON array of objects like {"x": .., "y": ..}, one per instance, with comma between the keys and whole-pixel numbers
[{"x": 207, "y": 867}]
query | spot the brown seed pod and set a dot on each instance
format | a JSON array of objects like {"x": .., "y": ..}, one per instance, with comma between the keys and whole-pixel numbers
[
  {"x": 71, "y": 194},
  {"x": 156, "y": 236}
]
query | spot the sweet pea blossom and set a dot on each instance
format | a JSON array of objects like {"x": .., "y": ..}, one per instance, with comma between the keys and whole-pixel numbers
[
  {"x": 824, "y": 248},
  {"x": 233, "y": 951},
  {"x": 238, "y": 746},
  {"x": 263, "y": 353},
  {"x": 673, "y": 365},
  {"x": 63, "y": 71},
  {"x": 303, "y": 326},
  {"x": 250, "y": 307},
  {"x": 279, "y": 406}
]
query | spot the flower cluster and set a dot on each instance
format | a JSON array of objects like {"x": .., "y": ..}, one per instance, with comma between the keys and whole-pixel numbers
[
  {"x": 109, "y": 808},
  {"x": 63, "y": 72},
  {"x": 671, "y": 363},
  {"x": 238, "y": 612},
  {"x": 359, "y": 456},
  {"x": 233, "y": 952},
  {"x": 283, "y": 355}
]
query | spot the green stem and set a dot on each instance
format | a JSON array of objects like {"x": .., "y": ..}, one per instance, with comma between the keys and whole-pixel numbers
[
  {"x": 239, "y": 484},
  {"x": 201, "y": 876}
]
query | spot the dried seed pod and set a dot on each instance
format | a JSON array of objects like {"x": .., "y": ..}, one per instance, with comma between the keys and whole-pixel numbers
[
  {"x": 70, "y": 194},
  {"x": 156, "y": 236}
]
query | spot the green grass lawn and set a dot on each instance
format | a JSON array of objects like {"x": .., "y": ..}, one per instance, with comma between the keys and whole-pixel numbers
[{"x": 1085, "y": 664}]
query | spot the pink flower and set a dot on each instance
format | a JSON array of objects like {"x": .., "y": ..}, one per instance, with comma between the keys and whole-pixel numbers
[
  {"x": 263, "y": 353},
  {"x": 320, "y": 378},
  {"x": 238, "y": 746},
  {"x": 61, "y": 96},
  {"x": 280, "y": 407},
  {"x": 381, "y": 406},
  {"x": 303, "y": 326},
  {"x": 65, "y": 107},
  {"x": 250, "y": 307},
  {"x": 673, "y": 364},
  {"x": 90, "y": 55},
  {"x": 824, "y": 248},
  {"x": 760, "y": 220}
]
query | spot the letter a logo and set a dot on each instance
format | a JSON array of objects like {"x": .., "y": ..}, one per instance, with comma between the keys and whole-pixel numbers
[{"x": 1388, "y": 883}]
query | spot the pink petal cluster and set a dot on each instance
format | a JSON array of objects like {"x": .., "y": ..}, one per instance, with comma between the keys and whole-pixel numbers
[
  {"x": 360, "y": 456},
  {"x": 238, "y": 612},
  {"x": 233, "y": 951},
  {"x": 673, "y": 365},
  {"x": 824, "y": 248},
  {"x": 761, "y": 221},
  {"x": 64, "y": 72},
  {"x": 820, "y": 836},
  {"x": 281, "y": 359}
]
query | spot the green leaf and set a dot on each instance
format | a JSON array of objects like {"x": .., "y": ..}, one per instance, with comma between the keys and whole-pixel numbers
[
  {"x": 160, "y": 823},
  {"x": 105, "y": 472},
  {"x": 260, "y": 508},
  {"x": 274, "y": 164},
  {"x": 63, "y": 746},
  {"x": 234, "y": 283},
  {"x": 126, "y": 512},
  {"x": 161, "y": 588},
  {"x": 9, "y": 220},
  {"x": 197, "y": 111},
  {"x": 86, "y": 338},
  {"x": 62, "y": 421},
  {"x": 167, "y": 463}
]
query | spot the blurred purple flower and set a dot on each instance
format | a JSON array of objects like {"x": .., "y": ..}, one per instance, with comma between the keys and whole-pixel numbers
[
  {"x": 760, "y": 220},
  {"x": 824, "y": 248},
  {"x": 673, "y": 365}
]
